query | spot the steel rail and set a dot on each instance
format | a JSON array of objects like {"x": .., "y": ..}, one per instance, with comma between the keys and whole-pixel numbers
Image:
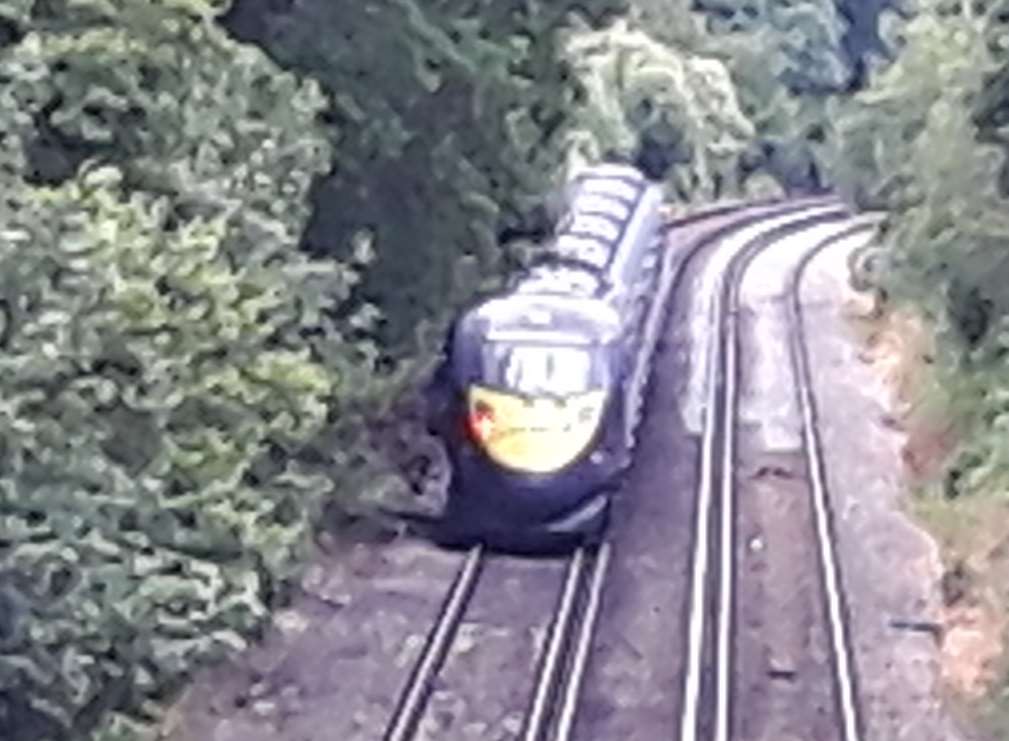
[
  {"x": 718, "y": 437},
  {"x": 726, "y": 607},
  {"x": 726, "y": 604},
  {"x": 403, "y": 723},
  {"x": 549, "y": 675},
  {"x": 579, "y": 660},
  {"x": 845, "y": 676},
  {"x": 413, "y": 697}
]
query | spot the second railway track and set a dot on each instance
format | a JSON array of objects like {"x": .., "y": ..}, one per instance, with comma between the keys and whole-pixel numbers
[{"x": 725, "y": 684}]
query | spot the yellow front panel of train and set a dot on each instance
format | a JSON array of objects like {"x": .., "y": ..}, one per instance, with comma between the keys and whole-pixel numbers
[{"x": 539, "y": 435}]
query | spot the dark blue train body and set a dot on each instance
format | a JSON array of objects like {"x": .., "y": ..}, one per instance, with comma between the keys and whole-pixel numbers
[{"x": 542, "y": 385}]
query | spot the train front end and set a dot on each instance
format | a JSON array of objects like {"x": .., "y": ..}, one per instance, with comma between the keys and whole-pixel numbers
[{"x": 533, "y": 445}]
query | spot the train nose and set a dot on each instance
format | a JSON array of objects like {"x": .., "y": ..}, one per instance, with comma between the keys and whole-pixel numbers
[{"x": 533, "y": 436}]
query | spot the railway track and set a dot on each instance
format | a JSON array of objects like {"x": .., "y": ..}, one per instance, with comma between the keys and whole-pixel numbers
[
  {"x": 845, "y": 679},
  {"x": 715, "y": 702},
  {"x": 553, "y": 692},
  {"x": 553, "y": 695}
]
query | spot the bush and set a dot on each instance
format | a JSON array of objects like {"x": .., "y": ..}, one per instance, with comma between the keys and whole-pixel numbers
[
  {"x": 165, "y": 352},
  {"x": 910, "y": 143}
]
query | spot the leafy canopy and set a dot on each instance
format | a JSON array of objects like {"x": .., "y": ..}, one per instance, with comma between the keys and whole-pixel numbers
[{"x": 165, "y": 351}]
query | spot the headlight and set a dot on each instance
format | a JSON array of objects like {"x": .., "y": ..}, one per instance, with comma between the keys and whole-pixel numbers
[{"x": 540, "y": 435}]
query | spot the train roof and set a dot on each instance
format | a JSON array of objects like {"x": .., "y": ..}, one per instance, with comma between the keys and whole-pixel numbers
[
  {"x": 544, "y": 317},
  {"x": 579, "y": 286},
  {"x": 609, "y": 207}
]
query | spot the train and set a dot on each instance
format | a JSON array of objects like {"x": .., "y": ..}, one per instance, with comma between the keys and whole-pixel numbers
[{"x": 540, "y": 389}]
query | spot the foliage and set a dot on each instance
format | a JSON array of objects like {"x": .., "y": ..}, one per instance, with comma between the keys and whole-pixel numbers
[
  {"x": 637, "y": 88},
  {"x": 879, "y": 129},
  {"x": 784, "y": 59},
  {"x": 991, "y": 109},
  {"x": 911, "y": 143},
  {"x": 181, "y": 388},
  {"x": 472, "y": 110},
  {"x": 802, "y": 40},
  {"x": 166, "y": 352},
  {"x": 443, "y": 108}
]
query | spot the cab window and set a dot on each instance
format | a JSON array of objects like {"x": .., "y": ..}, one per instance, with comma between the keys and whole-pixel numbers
[{"x": 543, "y": 370}]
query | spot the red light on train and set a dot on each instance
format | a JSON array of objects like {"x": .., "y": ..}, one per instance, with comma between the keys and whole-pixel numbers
[{"x": 481, "y": 421}]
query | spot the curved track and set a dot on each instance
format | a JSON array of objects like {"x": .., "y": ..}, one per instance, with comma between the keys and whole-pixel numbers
[
  {"x": 706, "y": 703},
  {"x": 845, "y": 679},
  {"x": 712, "y": 675}
]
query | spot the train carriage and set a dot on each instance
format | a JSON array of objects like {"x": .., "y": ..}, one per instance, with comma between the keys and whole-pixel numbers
[{"x": 542, "y": 384}]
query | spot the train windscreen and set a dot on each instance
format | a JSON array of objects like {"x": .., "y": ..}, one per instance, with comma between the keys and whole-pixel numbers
[{"x": 544, "y": 370}]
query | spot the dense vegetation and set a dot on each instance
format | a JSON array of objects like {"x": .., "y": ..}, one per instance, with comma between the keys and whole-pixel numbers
[
  {"x": 230, "y": 233},
  {"x": 166, "y": 350}
]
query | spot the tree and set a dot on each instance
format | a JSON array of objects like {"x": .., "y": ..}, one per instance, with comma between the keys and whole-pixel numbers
[
  {"x": 166, "y": 352},
  {"x": 457, "y": 110},
  {"x": 803, "y": 39},
  {"x": 639, "y": 89},
  {"x": 992, "y": 106},
  {"x": 788, "y": 59},
  {"x": 910, "y": 143}
]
